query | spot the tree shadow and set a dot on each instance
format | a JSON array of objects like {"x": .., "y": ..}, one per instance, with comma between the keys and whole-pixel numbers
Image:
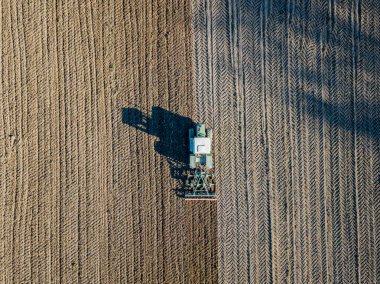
[
  {"x": 172, "y": 131},
  {"x": 340, "y": 116},
  {"x": 329, "y": 34}
]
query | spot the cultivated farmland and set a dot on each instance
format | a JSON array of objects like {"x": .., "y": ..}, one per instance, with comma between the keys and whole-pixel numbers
[
  {"x": 292, "y": 91},
  {"x": 96, "y": 98},
  {"x": 86, "y": 195}
]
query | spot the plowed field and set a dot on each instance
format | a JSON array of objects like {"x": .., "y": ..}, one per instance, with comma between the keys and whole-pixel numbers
[
  {"x": 292, "y": 91},
  {"x": 96, "y": 98}
]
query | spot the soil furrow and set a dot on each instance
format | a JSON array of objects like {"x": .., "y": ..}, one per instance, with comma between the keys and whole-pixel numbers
[
  {"x": 257, "y": 190},
  {"x": 96, "y": 102},
  {"x": 226, "y": 139},
  {"x": 366, "y": 152}
]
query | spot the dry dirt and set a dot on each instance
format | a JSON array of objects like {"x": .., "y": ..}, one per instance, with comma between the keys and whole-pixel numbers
[
  {"x": 292, "y": 91},
  {"x": 95, "y": 101},
  {"x": 96, "y": 98}
]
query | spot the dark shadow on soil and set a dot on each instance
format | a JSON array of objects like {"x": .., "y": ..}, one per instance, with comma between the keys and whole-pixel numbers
[
  {"x": 172, "y": 131},
  {"x": 341, "y": 116},
  {"x": 170, "y": 128},
  {"x": 330, "y": 34}
]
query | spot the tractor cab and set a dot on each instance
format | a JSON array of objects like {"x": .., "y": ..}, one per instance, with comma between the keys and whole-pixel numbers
[
  {"x": 200, "y": 183},
  {"x": 200, "y": 147}
]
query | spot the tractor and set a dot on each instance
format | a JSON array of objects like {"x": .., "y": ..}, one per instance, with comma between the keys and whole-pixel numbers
[{"x": 200, "y": 183}]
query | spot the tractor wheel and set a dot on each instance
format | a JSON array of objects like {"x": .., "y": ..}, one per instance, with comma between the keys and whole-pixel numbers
[
  {"x": 191, "y": 133},
  {"x": 208, "y": 162},
  {"x": 192, "y": 162}
]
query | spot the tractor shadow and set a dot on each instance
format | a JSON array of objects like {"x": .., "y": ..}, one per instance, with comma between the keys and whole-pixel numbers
[{"x": 171, "y": 129}]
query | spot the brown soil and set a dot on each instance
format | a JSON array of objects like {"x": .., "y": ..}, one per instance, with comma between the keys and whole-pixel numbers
[
  {"x": 292, "y": 92},
  {"x": 95, "y": 103}
]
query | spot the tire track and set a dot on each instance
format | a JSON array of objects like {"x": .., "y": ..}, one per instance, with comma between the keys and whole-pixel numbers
[
  {"x": 25, "y": 106},
  {"x": 376, "y": 151},
  {"x": 118, "y": 262},
  {"x": 202, "y": 33},
  {"x": 136, "y": 152},
  {"x": 306, "y": 145},
  {"x": 240, "y": 141},
  {"x": 2, "y": 162},
  {"x": 335, "y": 250},
  {"x": 163, "y": 88},
  {"x": 34, "y": 206},
  {"x": 85, "y": 160},
  {"x": 92, "y": 210},
  {"x": 309, "y": 203},
  {"x": 8, "y": 166},
  {"x": 147, "y": 101},
  {"x": 14, "y": 136},
  {"x": 104, "y": 51},
  {"x": 365, "y": 146},
  {"x": 345, "y": 164},
  {"x": 256, "y": 182},
  {"x": 129, "y": 148},
  {"x": 69, "y": 197},
  {"x": 51, "y": 124},
  {"x": 318, "y": 242},
  {"x": 311, "y": 137},
  {"x": 202, "y": 60},
  {"x": 294, "y": 44},
  {"x": 43, "y": 150},
  {"x": 328, "y": 88},
  {"x": 9, "y": 187},
  {"x": 224, "y": 88},
  {"x": 276, "y": 109}
]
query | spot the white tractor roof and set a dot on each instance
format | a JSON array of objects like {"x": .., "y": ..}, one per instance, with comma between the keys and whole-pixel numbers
[{"x": 200, "y": 145}]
